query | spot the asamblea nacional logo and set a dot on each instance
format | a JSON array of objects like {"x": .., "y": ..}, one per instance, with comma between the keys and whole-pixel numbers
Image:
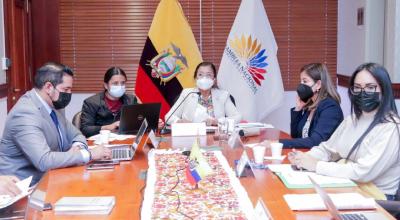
[
  {"x": 168, "y": 64},
  {"x": 249, "y": 59}
]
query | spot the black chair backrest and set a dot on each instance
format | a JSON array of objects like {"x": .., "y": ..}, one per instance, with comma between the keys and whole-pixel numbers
[{"x": 76, "y": 120}]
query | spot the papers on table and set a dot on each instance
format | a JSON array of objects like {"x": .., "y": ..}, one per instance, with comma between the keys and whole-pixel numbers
[
  {"x": 299, "y": 179},
  {"x": 23, "y": 185},
  {"x": 282, "y": 157},
  {"x": 96, "y": 205},
  {"x": 341, "y": 200},
  {"x": 112, "y": 137},
  {"x": 254, "y": 125}
]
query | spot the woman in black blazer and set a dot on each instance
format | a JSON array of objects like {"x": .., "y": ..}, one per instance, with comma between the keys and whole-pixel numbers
[
  {"x": 102, "y": 110},
  {"x": 317, "y": 113}
]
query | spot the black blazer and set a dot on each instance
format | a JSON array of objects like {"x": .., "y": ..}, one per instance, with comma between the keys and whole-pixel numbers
[
  {"x": 326, "y": 119},
  {"x": 95, "y": 113}
]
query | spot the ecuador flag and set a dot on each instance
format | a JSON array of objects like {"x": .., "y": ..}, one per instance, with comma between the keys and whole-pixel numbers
[
  {"x": 198, "y": 167},
  {"x": 170, "y": 56}
]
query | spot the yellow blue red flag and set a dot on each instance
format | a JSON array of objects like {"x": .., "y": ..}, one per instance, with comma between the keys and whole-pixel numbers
[{"x": 169, "y": 58}]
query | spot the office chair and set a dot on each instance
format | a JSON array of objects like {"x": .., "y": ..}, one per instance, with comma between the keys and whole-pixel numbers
[
  {"x": 393, "y": 207},
  {"x": 76, "y": 120},
  {"x": 232, "y": 99}
]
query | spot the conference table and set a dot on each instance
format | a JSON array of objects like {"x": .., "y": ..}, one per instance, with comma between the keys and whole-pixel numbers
[{"x": 126, "y": 182}]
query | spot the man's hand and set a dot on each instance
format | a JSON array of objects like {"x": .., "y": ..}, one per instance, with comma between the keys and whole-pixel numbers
[
  {"x": 211, "y": 121},
  {"x": 100, "y": 153},
  {"x": 8, "y": 186}
]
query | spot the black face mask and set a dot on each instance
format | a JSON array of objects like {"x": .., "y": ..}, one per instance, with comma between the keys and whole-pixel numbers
[
  {"x": 305, "y": 92},
  {"x": 63, "y": 100},
  {"x": 367, "y": 102}
]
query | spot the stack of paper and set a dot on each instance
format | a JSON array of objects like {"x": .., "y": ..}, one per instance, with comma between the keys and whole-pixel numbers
[
  {"x": 254, "y": 124},
  {"x": 97, "y": 205},
  {"x": 342, "y": 201},
  {"x": 300, "y": 179}
]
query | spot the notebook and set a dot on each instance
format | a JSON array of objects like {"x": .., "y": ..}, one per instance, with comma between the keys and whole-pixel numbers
[
  {"x": 300, "y": 179},
  {"x": 332, "y": 209},
  {"x": 95, "y": 205}
]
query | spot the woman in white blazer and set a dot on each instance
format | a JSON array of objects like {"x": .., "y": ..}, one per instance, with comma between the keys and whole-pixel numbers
[{"x": 204, "y": 103}]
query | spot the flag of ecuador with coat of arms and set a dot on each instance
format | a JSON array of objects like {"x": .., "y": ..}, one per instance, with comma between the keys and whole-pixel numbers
[{"x": 170, "y": 56}]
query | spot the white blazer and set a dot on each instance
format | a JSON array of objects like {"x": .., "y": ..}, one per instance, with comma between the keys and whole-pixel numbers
[{"x": 223, "y": 106}]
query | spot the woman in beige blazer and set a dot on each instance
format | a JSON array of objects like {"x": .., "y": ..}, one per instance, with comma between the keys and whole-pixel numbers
[{"x": 205, "y": 102}]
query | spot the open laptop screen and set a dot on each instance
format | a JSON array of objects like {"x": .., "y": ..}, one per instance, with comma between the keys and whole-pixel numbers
[
  {"x": 132, "y": 117},
  {"x": 140, "y": 134}
]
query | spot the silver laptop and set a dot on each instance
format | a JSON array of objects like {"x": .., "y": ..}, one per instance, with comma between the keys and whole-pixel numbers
[
  {"x": 372, "y": 215},
  {"x": 126, "y": 152}
]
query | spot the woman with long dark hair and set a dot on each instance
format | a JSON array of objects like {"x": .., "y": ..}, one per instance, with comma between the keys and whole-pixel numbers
[
  {"x": 317, "y": 112},
  {"x": 102, "y": 111},
  {"x": 368, "y": 141}
]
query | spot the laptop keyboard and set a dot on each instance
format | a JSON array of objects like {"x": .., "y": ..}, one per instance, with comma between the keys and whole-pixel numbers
[
  {"x": 353, "y": 216},
  {"x": 119, "y": 153}
]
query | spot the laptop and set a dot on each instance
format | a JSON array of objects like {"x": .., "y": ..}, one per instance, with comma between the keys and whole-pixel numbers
[
  {"x": 126, "y": 152},
  {"x": 132, "y": 117},
  {"x": 344, "y": 216}
]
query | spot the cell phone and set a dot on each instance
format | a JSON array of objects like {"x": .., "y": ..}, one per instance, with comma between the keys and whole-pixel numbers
[
  {"x": 47, "y": 206},
  {"x": 99, "y": 167},
  {"x": 105, "y": 162}
]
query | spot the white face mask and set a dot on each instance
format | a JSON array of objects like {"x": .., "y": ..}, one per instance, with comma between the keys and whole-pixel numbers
[
  {"x": 204, "y": 83},
  {"x": 117, "y": 91}
]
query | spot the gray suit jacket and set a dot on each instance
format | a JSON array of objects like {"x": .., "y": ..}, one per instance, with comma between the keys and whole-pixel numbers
[{"x": 29, "y": 145}]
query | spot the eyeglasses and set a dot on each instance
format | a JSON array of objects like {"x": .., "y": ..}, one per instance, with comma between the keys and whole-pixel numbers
[{"x": 368, "y": 89}]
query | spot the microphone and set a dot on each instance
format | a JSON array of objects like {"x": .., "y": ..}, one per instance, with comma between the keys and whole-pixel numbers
[
  {"x": 164, "y": 129},
  {"x": 246, "y": 132}
]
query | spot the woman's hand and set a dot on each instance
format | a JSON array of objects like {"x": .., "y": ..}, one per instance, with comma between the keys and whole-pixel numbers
[
  {"x": 183, "y": 121},
  {"x": 211, "y": 121},
  {"x": 112, "y": 127},
  {"x": 299, "y": 104},
  {"x": 160, "y": 123},
  {"x": 303, "y": 160}
]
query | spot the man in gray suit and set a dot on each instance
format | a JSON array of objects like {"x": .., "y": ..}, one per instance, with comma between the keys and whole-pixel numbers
[{"x": 37, "y": 137}]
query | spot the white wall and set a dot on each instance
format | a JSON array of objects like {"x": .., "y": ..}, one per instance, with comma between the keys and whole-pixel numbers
[
  {"x": 351, "y": 38},
  {"x": 76, "y": 104},
  {"x": 392, "y": 39}
]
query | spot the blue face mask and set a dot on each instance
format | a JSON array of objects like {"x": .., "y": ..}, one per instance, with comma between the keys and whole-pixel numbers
[{"x": 116, "y": 91}]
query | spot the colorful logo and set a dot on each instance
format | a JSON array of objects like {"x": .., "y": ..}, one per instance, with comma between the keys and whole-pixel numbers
[
  {"x": 168, "y": 64},
  {"x": 252, "y": 58}
]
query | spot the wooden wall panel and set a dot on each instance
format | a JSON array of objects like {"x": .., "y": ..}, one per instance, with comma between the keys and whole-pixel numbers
[{"x": 97, "y": 34}]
